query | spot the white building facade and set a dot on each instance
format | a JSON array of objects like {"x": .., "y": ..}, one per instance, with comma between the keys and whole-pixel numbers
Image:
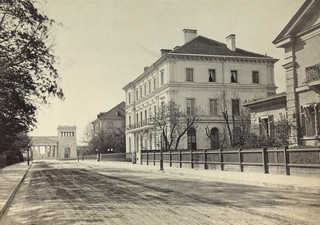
[{"x": 196, "y": 74}]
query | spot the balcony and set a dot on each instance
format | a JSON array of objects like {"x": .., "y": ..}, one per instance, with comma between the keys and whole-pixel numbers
[
  {"x": 141, "y": 124},
  {"x": 313, "y": 77}
]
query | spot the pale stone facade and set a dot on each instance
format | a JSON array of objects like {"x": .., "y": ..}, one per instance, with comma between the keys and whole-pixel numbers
[
  {"x": 63, "y": 146},
  {"x": 198, "y": 71},
  {"x": 301, "y": 42}
]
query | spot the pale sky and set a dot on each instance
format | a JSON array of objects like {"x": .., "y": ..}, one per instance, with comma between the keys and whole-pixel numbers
[{"x": 104, "y": 44}]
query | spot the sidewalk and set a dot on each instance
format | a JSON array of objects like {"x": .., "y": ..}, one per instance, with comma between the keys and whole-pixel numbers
[
  {"x": 10, "y": 179},
  {"x": 282, "y": 182}
]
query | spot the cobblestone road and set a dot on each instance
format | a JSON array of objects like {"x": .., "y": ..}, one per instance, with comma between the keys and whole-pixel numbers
[{"x": 56, "y": 193}]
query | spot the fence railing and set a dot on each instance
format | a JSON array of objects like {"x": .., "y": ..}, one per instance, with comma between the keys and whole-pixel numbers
[
  {"x": 283, "y": 160},
  {"x": 116, "y": 157}
]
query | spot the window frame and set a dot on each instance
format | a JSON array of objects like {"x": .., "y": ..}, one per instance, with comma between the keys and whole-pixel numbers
[
  {"x": 236, "y": 78},
  {"x": 255, "y": 80},
  {"x": 214, "y": 79},
  {"x": 189, "y": 77}
]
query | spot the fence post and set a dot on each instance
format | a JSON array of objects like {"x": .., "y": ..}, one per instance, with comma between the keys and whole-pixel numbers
[
  {"x": 191, "y": 158},
  {"x": 286, "y": 161},
  {"x": 140, "y": 155},
  {"x": 205, "y": 158},
  {"x": 221, "y": 159},
  {"x": 170, "y": 159},
  {"x": 180, "y": 159},
  {"x": 147, "y": 157},
  {"x": 240, "y": 160},
  {"x": 265, "y": 160}
]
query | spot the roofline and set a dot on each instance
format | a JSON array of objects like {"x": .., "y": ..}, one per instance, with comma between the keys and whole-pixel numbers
[
  {"x": 293, "y": 21},
  {"x": 265, "y": 100}
]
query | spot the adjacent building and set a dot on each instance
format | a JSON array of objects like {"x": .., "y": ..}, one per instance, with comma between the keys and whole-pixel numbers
[
  {"x": 300, "y": 40},
  {"x": 195, "y": 74}
]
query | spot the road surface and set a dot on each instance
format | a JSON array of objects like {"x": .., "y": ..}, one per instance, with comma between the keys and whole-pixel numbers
[{"x": 74, "y": 193}]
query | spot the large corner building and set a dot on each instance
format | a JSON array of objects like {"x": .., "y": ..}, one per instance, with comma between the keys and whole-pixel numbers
[{"x": 195, "y": 74}]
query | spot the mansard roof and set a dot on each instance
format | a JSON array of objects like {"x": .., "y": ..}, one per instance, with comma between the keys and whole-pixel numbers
[{"x": 205, "y": 46}]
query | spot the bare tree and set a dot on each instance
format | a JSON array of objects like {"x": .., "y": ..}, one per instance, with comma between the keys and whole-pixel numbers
[
  {"x": 173, "y": 123},
  {"x": 224, "y": 105}
]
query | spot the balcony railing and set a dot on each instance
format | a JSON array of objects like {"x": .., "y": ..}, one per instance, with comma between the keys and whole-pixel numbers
[
  {"x": 313, "y": 77},
  {"x": 313, "y": 73},
  {"x": 140, "y": 124}
]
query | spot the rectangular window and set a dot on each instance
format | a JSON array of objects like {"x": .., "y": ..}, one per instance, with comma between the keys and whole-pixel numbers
[
  {"x": 255, "y": 77},
  {"x": 145, "y": 115},
  {"x": 137, "y": 117},
  {"x": 235, "y": 107},
  {"x": 154, "y": 84},
  {"x": 212, "y": 76},
  {"x": 154, "y": 110},
  {"x": 137, "y": 94},
  {"x": 189, "y": 74},
  {"x": 266, "y": 126},
  {"x": 149, "y": 86},
  {"x": 190, "y": 106},
  {"x": 310, "y": 120},
  {"x": 145, "y": 89},
  {"x": 129, "y": 120},
  {"x": 129, "y": 98},
  {"x": 140, "y": 92},
  {"x": 234, "y": 76},
  {"x": 150, "y": 113},
  {"x": 161, "y": 77},
  {"x": 213, "y": 107}
]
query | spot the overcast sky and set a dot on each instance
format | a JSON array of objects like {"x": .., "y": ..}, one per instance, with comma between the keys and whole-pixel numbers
[{"x": 104, "y": 44}]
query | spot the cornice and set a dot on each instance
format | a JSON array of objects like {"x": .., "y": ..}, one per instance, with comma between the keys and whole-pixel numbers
[{"x": 221, "y": 58}]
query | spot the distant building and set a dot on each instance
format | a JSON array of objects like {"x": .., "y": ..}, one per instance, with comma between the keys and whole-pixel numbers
[
  {"x": 110, "y": 126},
  {"x": 301, "y": 41},
  {"x": 110, "y": 121},
  {"x": 196, "y": 74},
  {"x": 63, "y": 146}
]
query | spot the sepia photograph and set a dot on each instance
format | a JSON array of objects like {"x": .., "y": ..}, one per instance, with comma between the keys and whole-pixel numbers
[{"x": 159, "y": 112}]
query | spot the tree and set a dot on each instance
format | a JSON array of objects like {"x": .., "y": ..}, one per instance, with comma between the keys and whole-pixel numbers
[
  {"x": 224, "y": 104},
  {"x": 173, "y": 123},
  {"x": 28, "y": 76}
]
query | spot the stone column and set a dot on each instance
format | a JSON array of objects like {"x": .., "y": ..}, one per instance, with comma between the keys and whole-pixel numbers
[{"x": 292, "y": 96}]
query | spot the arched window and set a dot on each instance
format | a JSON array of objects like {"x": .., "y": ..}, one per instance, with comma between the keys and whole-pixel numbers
[
  {"x": 192, "y": 138},
  {"x": 215, "y": 138}
]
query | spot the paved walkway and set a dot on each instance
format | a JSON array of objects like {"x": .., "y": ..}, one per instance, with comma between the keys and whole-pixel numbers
[
  {"x": 12, "y": 176},
  {"x": 284, "y": 182},
  {"x": 10, "y": 179}
]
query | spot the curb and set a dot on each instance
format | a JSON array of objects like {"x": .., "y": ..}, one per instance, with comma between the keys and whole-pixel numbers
[{"x": 7, "y": 204}]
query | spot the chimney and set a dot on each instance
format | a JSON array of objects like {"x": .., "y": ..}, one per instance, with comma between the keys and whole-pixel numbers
[
  {"x": 231, "y": 42},
  {"x": 146, "y": 67},
  {"x": 189, "y": 34},
  {"x": 165, "y": 51}
]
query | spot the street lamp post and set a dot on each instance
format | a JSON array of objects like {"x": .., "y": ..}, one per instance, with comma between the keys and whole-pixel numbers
[
  {"x": 98, "y": 155},
  {"x": 28, "y": 155}
]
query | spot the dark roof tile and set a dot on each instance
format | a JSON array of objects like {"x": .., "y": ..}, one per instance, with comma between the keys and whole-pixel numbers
[{"x": 206, "y": 46}]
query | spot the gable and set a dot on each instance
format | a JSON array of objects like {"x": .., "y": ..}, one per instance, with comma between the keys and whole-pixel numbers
[{"x": 307, "y": 17}]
